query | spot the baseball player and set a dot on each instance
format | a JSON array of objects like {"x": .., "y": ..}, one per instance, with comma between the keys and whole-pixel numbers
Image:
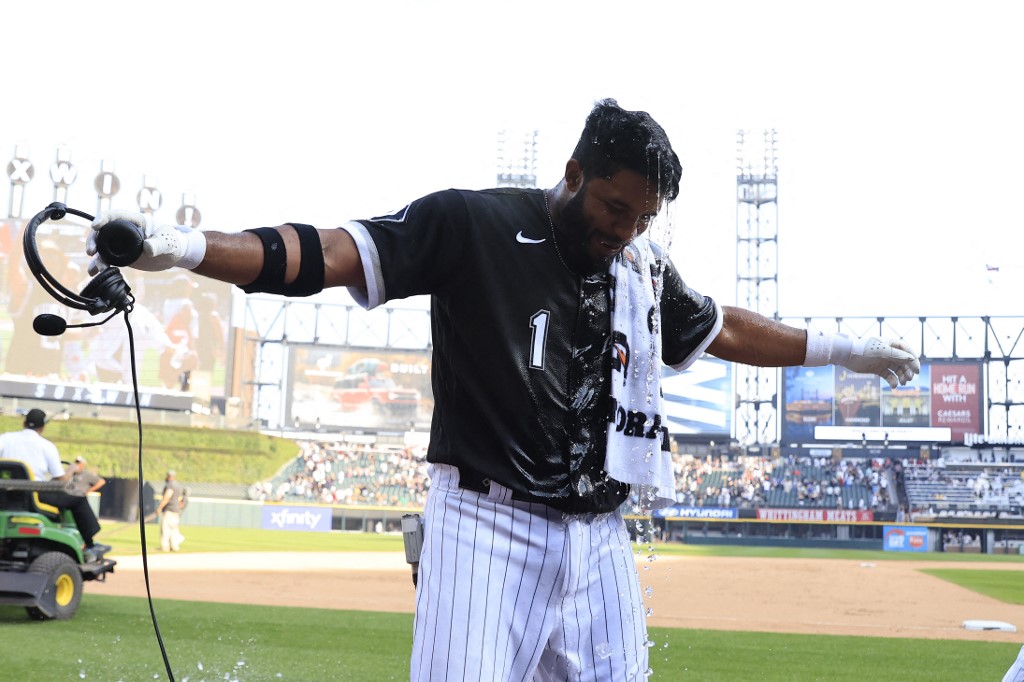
[{"x": 552, "y": 314}]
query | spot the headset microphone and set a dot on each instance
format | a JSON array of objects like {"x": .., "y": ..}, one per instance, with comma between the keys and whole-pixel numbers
[
  {"x": 55, "y": 325},
  {"x": 49, "y": 325}
]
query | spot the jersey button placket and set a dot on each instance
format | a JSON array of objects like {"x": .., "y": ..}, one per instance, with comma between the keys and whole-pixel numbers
[{"x": 586, "y": 386}]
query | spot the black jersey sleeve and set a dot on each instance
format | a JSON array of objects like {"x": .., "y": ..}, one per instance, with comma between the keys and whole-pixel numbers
[
  {"x": 417, "y": 250},
  {"x": 689, "y": 321}
]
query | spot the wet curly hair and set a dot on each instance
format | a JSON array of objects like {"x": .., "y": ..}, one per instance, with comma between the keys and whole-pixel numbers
[{"x": 615, "y": 139}]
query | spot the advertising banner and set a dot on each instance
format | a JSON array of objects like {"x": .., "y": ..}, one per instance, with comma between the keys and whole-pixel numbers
[
  {"x": 808, "y": 394},
  {"x": 816, "y": 515},
  {"x": 944, "y": 403},
  {"x": 905, "y": 539},
  {"x": 957, "y": 398},
  {"x": 695, "y": 513},
  {"x": 284, "y": 517}
]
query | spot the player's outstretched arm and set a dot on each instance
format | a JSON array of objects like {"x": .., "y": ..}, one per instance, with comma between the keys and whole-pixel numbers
[
  {"x": 753, "y": 339},
  {"x": 241, "y": 258},
  {"x": 238, "y": 258}
]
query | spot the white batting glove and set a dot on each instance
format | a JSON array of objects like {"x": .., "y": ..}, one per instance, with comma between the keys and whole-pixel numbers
[
  {"x": 164, "y": 246},
  {"x": 892, "y": 360}
]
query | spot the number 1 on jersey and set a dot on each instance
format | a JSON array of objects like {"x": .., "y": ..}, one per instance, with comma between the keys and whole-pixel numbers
[{"x": 539, "y": 338}]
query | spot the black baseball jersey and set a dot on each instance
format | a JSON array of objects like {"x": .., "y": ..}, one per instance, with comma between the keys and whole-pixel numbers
[{"x": 521, "y": 359}]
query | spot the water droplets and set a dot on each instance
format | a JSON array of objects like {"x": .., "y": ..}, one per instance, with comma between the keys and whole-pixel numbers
[{"x": 584, "y": 486}]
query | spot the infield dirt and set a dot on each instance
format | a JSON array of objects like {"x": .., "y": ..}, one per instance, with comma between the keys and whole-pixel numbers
[{"x": 817, "y": 596}]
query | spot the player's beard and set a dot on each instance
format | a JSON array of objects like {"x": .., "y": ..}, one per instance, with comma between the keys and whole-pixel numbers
[{"x": 575, "y": 234}]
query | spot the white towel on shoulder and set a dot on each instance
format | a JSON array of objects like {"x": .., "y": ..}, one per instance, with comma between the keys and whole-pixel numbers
[{"x": 637, "y": 434}]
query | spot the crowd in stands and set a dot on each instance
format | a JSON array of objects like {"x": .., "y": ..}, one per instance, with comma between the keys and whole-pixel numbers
[
  {"x": 785, "y": 482},
  {"x": 961, "y": 487},
  {"x": 345, "y": 473},
  {"x": 362, "y": 474}
]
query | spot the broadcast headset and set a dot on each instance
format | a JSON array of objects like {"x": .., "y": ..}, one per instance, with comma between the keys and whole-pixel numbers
[{"x": 117, "y": 243}]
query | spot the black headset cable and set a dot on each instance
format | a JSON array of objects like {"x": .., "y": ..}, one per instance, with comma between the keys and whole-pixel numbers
[{"x": 142, "y": 511}]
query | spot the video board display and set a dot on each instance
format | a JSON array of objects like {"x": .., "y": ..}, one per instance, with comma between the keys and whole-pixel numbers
[
  {"x": 180, "y": 323},
  {"x": 942, "y": 404},
  {"x": 341, "y": 387}
]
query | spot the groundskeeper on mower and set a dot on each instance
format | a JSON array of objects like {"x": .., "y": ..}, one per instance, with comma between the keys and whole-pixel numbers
[{"x": 42, "y": 561}]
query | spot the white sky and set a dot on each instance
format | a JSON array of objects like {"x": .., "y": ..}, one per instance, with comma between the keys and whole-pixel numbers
[{"x": 899, "y": 123}]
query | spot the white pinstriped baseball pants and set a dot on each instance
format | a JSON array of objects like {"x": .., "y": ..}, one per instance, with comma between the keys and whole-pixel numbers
[
  {"x": 1016, "y": 671},
  {"x": 519, "y": 591}
]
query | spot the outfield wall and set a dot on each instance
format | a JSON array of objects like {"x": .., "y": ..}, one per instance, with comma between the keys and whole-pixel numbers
[
  {"x": 305, "y": 516},
  {"x": 954, "y": 535},
  {"x": 940, "y": 535}
]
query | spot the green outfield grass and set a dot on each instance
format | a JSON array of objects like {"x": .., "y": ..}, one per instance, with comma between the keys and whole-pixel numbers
[
  {"x": 125, "y": 540},
  {"x": 112, "y": 639},
  {"x": 1007, "y": 586}
]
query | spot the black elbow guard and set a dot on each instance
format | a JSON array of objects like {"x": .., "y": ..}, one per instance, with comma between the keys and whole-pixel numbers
[{"x": 310, "y": 279}]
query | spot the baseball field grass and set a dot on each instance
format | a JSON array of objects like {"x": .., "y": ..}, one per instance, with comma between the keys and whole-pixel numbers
[
  {"x": 112, "y": 638},
  {"x": 1005, "y": 586}
]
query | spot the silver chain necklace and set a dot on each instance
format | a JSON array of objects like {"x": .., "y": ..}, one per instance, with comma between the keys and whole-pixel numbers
[{"x": 554, "y": 239}]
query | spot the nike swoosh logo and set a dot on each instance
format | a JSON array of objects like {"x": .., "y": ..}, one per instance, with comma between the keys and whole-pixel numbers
[{"x": 526, "y": 240}]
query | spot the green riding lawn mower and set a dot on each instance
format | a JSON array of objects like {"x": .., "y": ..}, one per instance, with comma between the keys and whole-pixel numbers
[{"x": 43, "y": 565}]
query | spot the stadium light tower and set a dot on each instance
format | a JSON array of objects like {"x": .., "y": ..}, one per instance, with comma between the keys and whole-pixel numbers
[
  {"x": 757, "y": 280},
  {"x": 517, "y": 159}
]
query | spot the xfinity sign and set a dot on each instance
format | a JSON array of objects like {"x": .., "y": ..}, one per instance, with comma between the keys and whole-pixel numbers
[{"x": 277, "y": 517}]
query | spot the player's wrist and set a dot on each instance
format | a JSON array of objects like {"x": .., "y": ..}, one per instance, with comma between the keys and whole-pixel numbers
[
  {"x": 827, "y": 349},
  {"x": 195, "y": 249}
]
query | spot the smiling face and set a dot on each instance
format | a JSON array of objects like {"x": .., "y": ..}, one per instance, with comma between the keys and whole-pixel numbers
[{"x": 603, "y": 216}]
